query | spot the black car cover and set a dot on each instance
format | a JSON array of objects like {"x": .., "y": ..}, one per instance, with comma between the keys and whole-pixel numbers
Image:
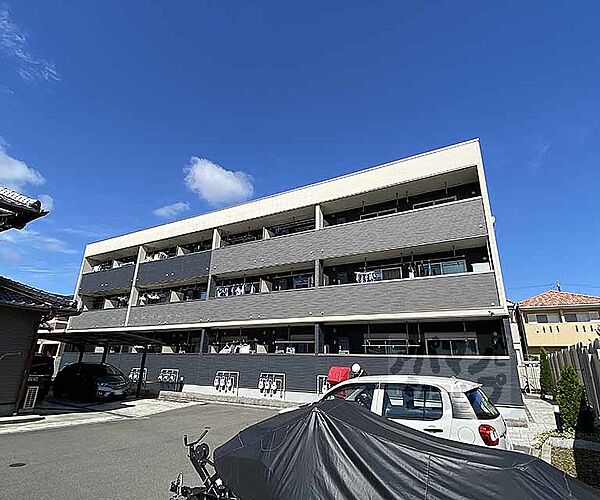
[{"x": 339, "y": 450}]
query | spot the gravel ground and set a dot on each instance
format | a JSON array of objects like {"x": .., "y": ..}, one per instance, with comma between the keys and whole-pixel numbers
[{"x": 582, "y": 464}]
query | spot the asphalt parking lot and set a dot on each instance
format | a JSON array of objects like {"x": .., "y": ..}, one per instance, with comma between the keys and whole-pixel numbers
[{"x": 132, "y": 458}]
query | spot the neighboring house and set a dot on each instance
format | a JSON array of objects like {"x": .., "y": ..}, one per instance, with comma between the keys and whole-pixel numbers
[
  {"x": 22, "y": 309},
  {"x": 556, "y": 319},
  {"x": 17, "y": 210},
  {"x": 394, "y": 267},
  {"x": 56, "y": 326}
]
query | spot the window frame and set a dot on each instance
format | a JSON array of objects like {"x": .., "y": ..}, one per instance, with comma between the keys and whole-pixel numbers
[
  {"x": 385, "y": 386},
  {"x": 375, "y": 399}
]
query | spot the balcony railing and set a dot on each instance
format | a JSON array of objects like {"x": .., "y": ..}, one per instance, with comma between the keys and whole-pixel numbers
[
  {"x": 431, "y": 294},
  {"x": 109, "y": 281},
  {"x": 98, "y": 318},
  {"x": 453, "y": 221},
  {"x": 182, "y": 269}
]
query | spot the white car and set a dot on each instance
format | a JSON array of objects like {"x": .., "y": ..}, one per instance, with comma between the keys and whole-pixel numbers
[{"x": 446, "y": 407}]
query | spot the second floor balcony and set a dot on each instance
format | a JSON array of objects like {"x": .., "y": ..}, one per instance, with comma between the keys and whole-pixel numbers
[{"x": 384, "y": 298}]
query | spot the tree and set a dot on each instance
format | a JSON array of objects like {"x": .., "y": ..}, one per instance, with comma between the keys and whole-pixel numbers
[
  {"x": 545, "y": 378},
  {"x": 569, "y": 393}
]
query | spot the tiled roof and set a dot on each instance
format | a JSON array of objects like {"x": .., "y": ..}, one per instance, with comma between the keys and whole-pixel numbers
[
  {"x": 17, "y": 210},
  {"x": 17, "y": 294},
  {"x": 556, "y": 298}
]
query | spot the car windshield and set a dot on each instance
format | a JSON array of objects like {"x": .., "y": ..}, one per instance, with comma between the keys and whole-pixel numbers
[
  {"x": 484, "y": 409},
  {"x": 101, "y": 370}
]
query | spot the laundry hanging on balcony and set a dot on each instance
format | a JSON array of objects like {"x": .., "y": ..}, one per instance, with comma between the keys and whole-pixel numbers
[{"x": 368, "y": 276}]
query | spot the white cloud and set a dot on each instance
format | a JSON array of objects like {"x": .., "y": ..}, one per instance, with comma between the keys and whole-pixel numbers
[
  {"x": 10, "y": 255},
  {"x": 47, "y": 201},
  {"x": 85, "y": 232},
  {"x": 540, "y": 152},
  {"x": 14, "y": 46},
  {"x": 215, "y": 184},
  {"x": 37, "y": 240},
  {"x": 172, "y": 210},
  {"x": 14, "y": 173}
]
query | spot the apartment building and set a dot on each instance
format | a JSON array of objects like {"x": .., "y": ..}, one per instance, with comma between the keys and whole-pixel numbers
[
  {"x": 394, "y": 267},
  {"x": 556, "y": 319}
]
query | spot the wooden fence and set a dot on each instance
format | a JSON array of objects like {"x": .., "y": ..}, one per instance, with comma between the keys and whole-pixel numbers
[{"x": 585, "y": 359}]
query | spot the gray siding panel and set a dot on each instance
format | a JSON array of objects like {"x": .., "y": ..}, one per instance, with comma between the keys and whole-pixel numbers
[
  {"x": 455, "y": 221},
  {"x": 98, "y": 318},
  {"x": 18, "y": 326},
  {"x": 441, "y": 293},
  {"x": 111, "y": 280},
  {"x": 174, "y": 270},
  {"x": 498, "y": 376}
]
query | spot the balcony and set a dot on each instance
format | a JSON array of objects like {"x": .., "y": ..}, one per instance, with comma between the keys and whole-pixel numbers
[
  {"x": 180, "y": 270},
  {"x": 452, "y": 221},
  {"x": 110, "y": 281},
  {"x": 431, "y": 294},
  {"x": 98, "y": 318}
]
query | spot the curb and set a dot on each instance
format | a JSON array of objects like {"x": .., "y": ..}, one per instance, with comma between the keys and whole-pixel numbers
[
  {"x": 20, "y": 419},
  {"x": 578, "y": 444},
  {"x": 546, "y": 455},
  {"x": 237, "y": 400}
]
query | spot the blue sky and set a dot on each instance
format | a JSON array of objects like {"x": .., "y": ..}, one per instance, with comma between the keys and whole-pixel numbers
[{"x": 113, "y": 111}]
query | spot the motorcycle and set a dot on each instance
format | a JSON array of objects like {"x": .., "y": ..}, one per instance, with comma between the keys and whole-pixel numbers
[{"x": 212, "y": 487}]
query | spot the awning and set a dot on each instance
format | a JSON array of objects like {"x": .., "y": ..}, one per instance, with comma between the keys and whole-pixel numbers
[{"x": 100, "y": 338}]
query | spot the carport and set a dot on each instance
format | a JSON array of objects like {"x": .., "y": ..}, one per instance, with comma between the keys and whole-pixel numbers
[{"x": 105, "y": 340}]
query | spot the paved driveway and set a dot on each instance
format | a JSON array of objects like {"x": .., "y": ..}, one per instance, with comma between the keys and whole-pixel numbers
[{"x": 134, "y": 458}]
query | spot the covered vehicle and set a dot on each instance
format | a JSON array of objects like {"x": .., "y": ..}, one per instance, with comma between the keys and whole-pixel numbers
[
  {"x": 91, "y": 381},
  {"x": 337, "y": 449}
]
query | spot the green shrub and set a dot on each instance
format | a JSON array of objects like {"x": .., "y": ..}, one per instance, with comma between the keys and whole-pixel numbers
[
  {"x": 569, "y": 393},
  {"x": 545, "y": 377}
]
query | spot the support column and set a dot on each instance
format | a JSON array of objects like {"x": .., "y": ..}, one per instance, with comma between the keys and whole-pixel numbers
[
  {"x": 319, "y": 221},
  {"x": 216, "y": 240},
  {"x": 318, "y": 273},
  {"x": 319, "y": 338},
  {"x": 81, "y": 351},
  {"x": 133, "y": 295},
  {"x": 203, "y": 335},
  {"x": 141, "y": 377},
  {"x": 104, "y": 353}
]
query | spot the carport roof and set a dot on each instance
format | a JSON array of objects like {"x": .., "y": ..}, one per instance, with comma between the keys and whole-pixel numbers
[{"x": 100, "y": 338}]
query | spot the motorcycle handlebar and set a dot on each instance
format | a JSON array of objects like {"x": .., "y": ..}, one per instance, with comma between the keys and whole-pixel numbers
[{"x": 202, "y": 436}]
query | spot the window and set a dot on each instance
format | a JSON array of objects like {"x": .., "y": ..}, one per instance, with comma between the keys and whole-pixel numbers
[
  {"x": 466, "y": 347},
  {"x": 484, "y": 409},
  {"x": 543, "y": 318},
  {"x": 582, "y": 317},
  {"x": 438, "y": 268},
  {"x": 412, "y": 402},
  {"x": 359, "y": 393},
  {"x": 452, "y": 347},
  {"x": 454, "y": 267}
]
